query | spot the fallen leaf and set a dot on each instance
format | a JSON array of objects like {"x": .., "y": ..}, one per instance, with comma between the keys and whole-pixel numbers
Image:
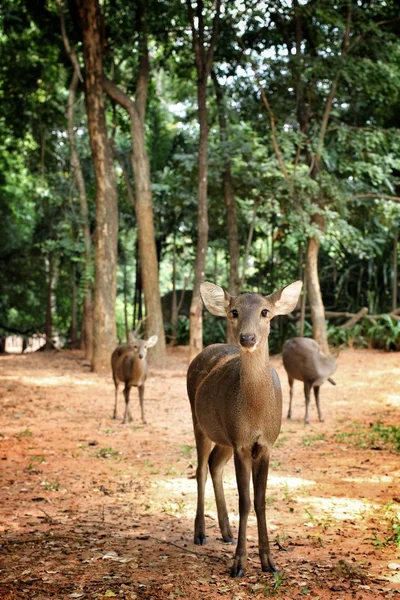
[{"x": 109, "y": 594}]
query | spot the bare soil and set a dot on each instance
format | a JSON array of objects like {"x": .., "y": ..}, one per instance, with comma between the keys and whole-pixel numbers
[{"x": 91, "y": 508}]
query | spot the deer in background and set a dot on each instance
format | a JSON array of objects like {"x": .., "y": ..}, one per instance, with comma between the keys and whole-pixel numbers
[
  {"x": 129, "y": 366},
  {"x": 236, "y": 402},
  {"x": 304, "y": 361}
]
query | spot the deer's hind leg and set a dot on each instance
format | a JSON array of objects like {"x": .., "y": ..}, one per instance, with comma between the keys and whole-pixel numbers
[
  {"x": 291, "y": 382},
  {"x": 316, "y": 394},
  {"x": 217, "y": 461},
  {"x": 203, "y": 446},
  {"x": 116, "y": 383}
]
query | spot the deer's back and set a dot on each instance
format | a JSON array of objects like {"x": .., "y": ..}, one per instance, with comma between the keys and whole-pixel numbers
[
  {"x": 303, "y": 360},
  {"x": 219, "y": 405}
]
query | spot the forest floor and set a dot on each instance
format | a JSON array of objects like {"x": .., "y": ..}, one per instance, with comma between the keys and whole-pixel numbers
[{"x": 91, "y": 508}]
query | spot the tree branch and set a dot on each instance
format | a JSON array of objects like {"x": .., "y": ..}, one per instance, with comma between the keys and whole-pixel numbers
[
  {"x": 378, "y": 196},
  {"x": 70, "y": 52}
]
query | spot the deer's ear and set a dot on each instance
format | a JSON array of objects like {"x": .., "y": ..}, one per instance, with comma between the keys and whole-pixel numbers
[
  {"x": 285, "y": 299},
  {"x": 152, "y": 341},
  {"x": 214, "y": 298}
]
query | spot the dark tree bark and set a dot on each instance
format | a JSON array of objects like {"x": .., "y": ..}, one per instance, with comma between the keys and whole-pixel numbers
[
  {"x": 229, "y": 196},
  {"x": 106, "y": 236},
  {"x": 87, "y": 318},
  {"x": 48, "y": 328},
  {"x": 74, "y": 320},
  {"x": 143, "y": 196},
  {"x": 203, "y": 60}
]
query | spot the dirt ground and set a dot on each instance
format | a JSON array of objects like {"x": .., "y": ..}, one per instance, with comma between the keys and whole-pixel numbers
[{"x": 91, "y": 508}]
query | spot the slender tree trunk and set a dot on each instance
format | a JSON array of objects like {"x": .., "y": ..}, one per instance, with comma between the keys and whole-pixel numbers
[
  {"x": 48, "y": 329},
  {"x": 104, "y": 331},
  {"x": 126, "y": 302},
  {"x": 229, "y": 196},
  {"x": 74, "y": 320},
  {"x": 174, "y": 300},
  {"x": 203, "y": 59},
  {"x": 144, "y": 216},
  {"x": 314, "y": 294},
  {"x": 196, "y": 306},
  {"x": 395, "y": 267},
  {"x": 87, "y": 318}
]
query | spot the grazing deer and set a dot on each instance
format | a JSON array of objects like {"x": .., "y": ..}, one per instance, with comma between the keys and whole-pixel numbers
[
  {"x": 304, "y": 361},
  {"x": 129, "y": 365},
  {"x": 236, "y": 402}
]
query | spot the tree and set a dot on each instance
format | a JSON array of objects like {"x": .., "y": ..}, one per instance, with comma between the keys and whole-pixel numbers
[
  {"x": 143, "y": 194},
  {"x": 104, "y": 332},
  {"x": 203, "y": 60}
]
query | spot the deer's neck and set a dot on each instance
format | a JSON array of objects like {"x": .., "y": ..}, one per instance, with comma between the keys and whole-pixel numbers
[{"x": 256, "y": 381}]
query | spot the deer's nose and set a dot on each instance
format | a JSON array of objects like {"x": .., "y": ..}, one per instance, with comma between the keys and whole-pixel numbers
[
  {"x": 140, "y": 355},
  {"x": 247, "y": 340}
]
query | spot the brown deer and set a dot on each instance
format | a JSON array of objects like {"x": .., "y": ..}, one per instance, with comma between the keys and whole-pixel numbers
[
  {"x": 304, "y": 361},
  {"x": 236, "y": 402},
  {"x": 129, "y": 365}
]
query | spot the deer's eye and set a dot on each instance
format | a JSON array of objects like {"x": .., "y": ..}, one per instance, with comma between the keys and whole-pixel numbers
[
  {"x": 264, "y": 312},
  {"x": 234, "y": 313},
  {"x": 135, "y": 347}
]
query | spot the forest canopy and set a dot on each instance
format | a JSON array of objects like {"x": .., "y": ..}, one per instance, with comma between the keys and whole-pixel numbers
[{"x": 266, "y": 133}]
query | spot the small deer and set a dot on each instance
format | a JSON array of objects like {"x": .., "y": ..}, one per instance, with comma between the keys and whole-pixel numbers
[
  {"x": 129, "y": 365},
  {"x": 304, "y": 361},
  {"x": 236, "y": 402}
]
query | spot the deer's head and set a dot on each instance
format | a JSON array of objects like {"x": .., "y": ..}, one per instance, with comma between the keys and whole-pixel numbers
[
  {"x": 250, "y": 314},
  {"x": 140, "y": 347}
]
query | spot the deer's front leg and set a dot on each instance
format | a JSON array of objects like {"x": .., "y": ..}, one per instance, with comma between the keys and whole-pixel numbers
[
  {"x": 203, "y": 446},
  {"x": 127, "y": 414},
  {"x": 260, "y": 476},
  {"x": 141, "y": 400},
  {"x": 243, "y": 469}
]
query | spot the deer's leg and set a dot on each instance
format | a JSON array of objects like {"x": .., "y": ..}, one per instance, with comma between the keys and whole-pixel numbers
[
  {"x": 203, "y": 446},
  {"x": 291, "y": 381},
  {"x": 141, "y": 398},
  {"x": 217, "y": 461},
  {"x": 316, "y": 394},
  {"x": 116, "y": 398},
  {"x": 243, "y": 469},
  {"x": 307, "y": 393},
  {"x": 260, "y": 476},
  {"x": 127, "y": 414}
]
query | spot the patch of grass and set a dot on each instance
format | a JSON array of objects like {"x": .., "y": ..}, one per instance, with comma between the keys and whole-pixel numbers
[
  {"x": 170, "y": 471},
  {"x": 279, "y": 581},
  {"x": 54, "y": 487},
  {"x": 107, "y": 453},
  {"x": 186, "y": 449},
  {"x": 275, "y": 464},
  {"x": 281, "y": 441},
  {"x": 148, "y": 463},
  {"x": 109, "y": 431},
  {"x": 269, "y": 501},
  {"x": 308, "y": 440},
  {"x": 25, "y": 433},
  {"x": 376, "y": 436}
]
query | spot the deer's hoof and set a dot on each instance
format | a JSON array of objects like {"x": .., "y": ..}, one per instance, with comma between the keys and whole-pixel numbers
[
  {"x": 144, "y": 421},
  {"x": 228, "y": 539},
  {"x": 289, "y": 417},
  {"x": 271, "y": 568},
  {"x": 237, "y": 571},
  {"x": 200, "y": 540}
]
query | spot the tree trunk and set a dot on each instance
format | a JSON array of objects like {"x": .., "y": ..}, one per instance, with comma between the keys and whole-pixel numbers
[
  {"x": 48, "y": 328},
  {"x": 174, "y": 300},
  {"x": 104, "y": 331},
  {"x": 74, "y": 321},
  {"x": 144, "y": 215},
  {"x": 196, "y": 306},
  {"x": 126, "y": 302},
  {"x": 87, "y": 318},
  {"x": 314, "y": 295},
  {"x": 203, "y": 60}
]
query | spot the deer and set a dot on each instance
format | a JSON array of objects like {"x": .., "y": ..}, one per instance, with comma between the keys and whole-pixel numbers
[
  {"x": 236, "y": 402},
  {"x": 129, "y": 366},
  {"x": 304, "y": 361}
]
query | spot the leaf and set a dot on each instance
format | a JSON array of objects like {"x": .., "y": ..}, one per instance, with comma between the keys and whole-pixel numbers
[{"x": 110, "y": 594}]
